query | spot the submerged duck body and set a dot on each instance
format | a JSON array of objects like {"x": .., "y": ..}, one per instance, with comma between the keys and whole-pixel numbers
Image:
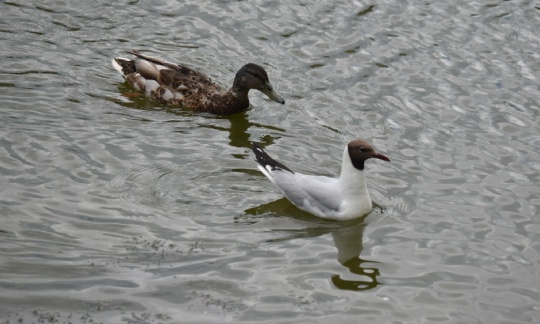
[
  {"x": 175, "y": 84},
  {"x": 342, "y": 198}
]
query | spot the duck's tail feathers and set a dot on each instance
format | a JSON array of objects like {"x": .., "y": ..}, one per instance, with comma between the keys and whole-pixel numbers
[{"x": 123, "y": 65}]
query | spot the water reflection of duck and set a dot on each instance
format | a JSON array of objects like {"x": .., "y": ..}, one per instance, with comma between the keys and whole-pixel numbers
[
  {"x": 347, "y": 236},
  {"x": 180, "y": 85}
]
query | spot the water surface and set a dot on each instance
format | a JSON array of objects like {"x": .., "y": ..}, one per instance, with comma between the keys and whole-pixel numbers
[{"x": 116, "y": 209}]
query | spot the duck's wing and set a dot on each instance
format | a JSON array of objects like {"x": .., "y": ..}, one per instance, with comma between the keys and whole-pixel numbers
[
  {"x": 158, "y": 61},
  {"x": 168, "y": 82},
  {"x": 174, "y": 76}
]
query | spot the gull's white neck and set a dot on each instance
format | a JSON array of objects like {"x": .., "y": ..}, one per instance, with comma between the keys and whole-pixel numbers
[{"x": 353, "y": 186}]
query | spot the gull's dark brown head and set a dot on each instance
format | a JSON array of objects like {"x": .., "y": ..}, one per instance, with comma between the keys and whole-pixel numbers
[{"x": 360, "y": 151}]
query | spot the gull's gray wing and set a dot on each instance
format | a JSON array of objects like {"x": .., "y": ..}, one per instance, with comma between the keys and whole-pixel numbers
[{"x": 315, "y": 194}]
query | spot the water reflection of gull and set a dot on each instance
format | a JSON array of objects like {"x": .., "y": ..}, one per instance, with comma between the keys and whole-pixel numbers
[
  {"x": 347, "y": 236},
  {"x": 348, "y": 241}
]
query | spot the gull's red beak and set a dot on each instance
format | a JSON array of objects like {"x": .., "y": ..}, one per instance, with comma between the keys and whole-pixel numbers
[{"x": 381, "y": 157}]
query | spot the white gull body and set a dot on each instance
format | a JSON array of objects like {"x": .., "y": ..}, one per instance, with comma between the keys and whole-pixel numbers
[{"x": 342, "y": 198}]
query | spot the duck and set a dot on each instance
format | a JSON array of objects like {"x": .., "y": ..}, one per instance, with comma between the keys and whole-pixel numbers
[
  {"x": 336, "y": 198},
  {"x": 179, "y": 85}
]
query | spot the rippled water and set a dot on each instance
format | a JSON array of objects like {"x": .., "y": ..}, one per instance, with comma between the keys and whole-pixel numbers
[{"x": 117, "y": 209}]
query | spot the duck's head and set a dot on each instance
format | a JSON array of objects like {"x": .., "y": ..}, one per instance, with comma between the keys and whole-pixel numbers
[{"x": 252, "y": 76}]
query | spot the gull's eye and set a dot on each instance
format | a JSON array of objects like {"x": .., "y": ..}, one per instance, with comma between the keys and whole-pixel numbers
[{"x": 362, "y": 149}]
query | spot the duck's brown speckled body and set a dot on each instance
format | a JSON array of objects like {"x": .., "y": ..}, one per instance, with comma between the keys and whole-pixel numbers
[{"x": 176, "y": 84}]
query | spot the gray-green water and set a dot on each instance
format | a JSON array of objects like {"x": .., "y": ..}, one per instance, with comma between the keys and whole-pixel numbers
[{"x": 115, "y": 209}]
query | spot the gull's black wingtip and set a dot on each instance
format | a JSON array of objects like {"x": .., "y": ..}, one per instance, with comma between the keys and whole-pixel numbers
[
  {"x": 260, "y": 154},
  {"x": 265, "y": 160}
]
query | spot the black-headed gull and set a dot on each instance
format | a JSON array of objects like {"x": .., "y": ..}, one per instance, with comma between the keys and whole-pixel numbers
[{"x": 340, "y": 198}]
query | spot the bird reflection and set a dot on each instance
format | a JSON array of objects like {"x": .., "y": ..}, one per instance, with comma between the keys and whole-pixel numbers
[
  {"x": 239, "y": 122},
  {"x": 348, "y": 241},
  {"x": 238, "y": 130},
  {"x": 347, "y": 236}
]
